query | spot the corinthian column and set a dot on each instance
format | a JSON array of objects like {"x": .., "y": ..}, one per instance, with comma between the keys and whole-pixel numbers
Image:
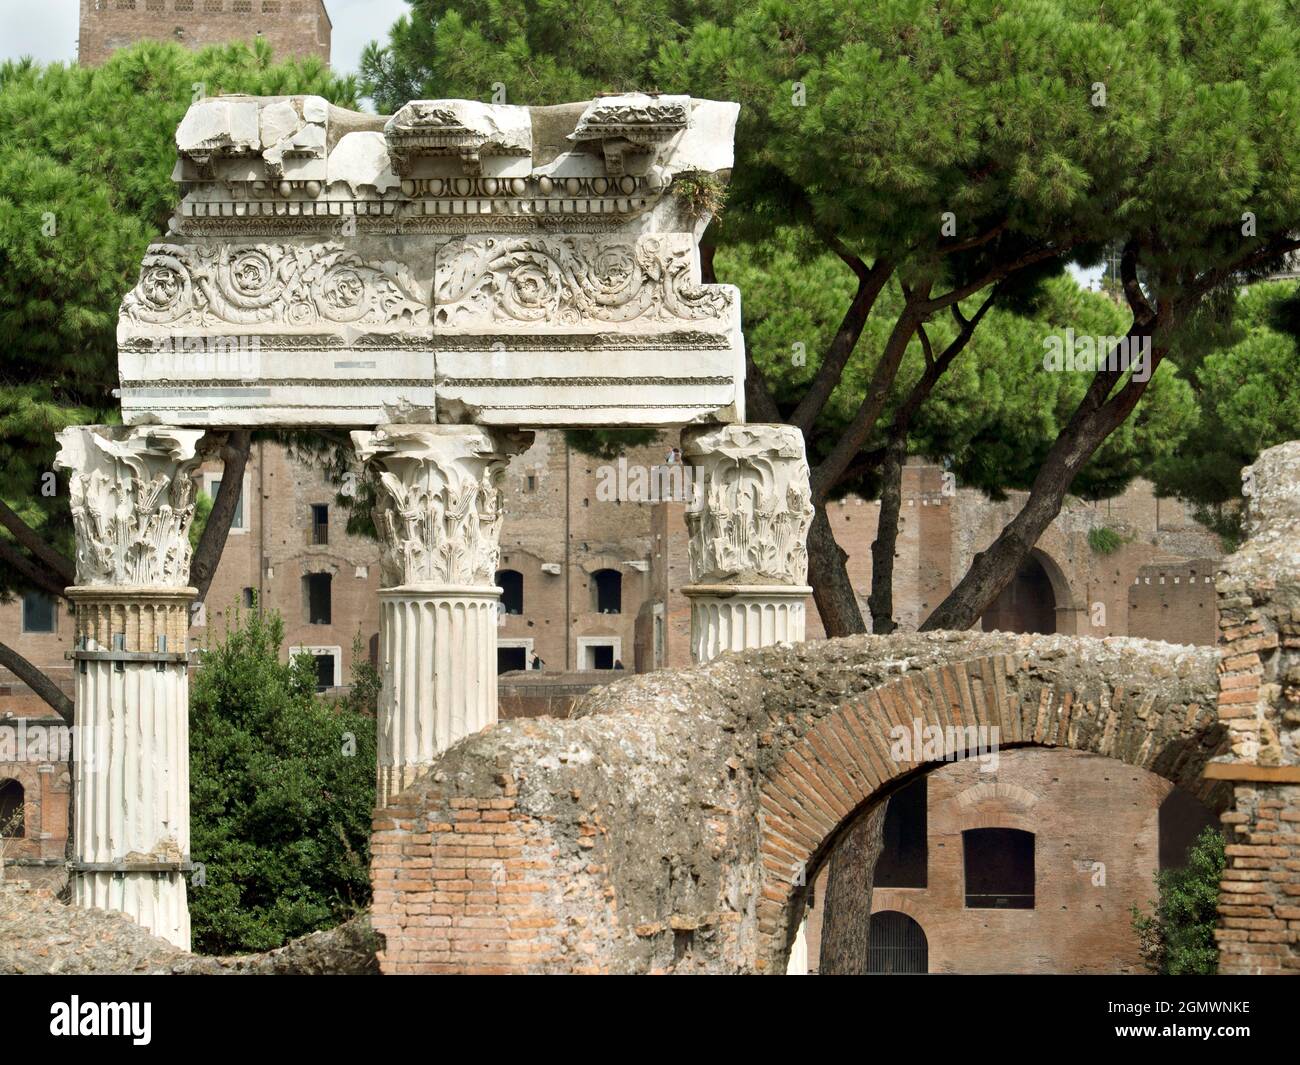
[
  {"x": 132, "y": 502},
  {"x": 748, "y": 521},
  {"x": 439, "y": 522}
]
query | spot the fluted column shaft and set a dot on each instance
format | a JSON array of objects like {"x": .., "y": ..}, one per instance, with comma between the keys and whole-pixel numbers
[
  {"x": 439, "y": 518},
  {"x": 749, "y": 522},
  {"x": 132, "y": 502}
]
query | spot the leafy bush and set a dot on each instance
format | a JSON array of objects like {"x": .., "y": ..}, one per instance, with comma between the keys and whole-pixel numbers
[
  {"x": 1178, "y": 939},
  {"x": 282, "y": 791}
]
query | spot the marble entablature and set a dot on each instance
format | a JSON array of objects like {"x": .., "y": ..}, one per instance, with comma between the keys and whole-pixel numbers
[{"x": 458, "y": 262}]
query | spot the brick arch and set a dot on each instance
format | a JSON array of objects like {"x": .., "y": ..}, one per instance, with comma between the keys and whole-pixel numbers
[
  {"x": 847, "y": 762},
  {"x": 894, "y": 899},
  {"x": 664, "y": 826},
  {"x": 1010, "y": 793}
]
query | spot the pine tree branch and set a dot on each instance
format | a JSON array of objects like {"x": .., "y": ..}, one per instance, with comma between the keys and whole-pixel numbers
[
  {"x": 26, "y": 537},
  {"x": 39, "y": 683}
]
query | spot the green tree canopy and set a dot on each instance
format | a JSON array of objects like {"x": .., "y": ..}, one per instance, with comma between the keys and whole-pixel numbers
[
  {"x": 86, "y": 157},
  {"x": 947, "y": 154},
  {"x": 993, "y": 415},
  {"x": 1248, "y": 399},
  {"x": 282, "y": 786}
]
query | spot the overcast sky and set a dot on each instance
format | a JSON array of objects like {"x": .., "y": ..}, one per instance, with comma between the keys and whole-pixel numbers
[{"x": 46, "y": 30}]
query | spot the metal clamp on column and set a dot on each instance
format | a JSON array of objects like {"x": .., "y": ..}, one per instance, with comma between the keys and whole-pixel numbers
[{"x": 161, "y": 657}]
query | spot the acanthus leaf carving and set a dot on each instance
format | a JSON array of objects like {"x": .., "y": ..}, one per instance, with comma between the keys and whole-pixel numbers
[
  {"x": 753, "y": 507},
  {"x": 439, "y": 512},
  {"x": 132, "y": 497}
]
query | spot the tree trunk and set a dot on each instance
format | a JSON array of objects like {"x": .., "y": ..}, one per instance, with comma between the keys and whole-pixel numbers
[
  {"x": 25, "y": 535},
  {"x": 234, "y": 457},
  {"x": 1094, "y": 419},
  {"x": 846, "y": 915},
  {"x": 833, "y": 593},
  {"x": 881, "y": 600}
]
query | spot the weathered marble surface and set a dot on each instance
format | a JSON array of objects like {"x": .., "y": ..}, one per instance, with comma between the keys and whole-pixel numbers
[{"x": 458, "y": 262}]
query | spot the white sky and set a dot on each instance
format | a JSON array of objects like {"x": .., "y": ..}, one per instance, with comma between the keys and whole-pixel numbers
[{"x": 46, "y": 30}]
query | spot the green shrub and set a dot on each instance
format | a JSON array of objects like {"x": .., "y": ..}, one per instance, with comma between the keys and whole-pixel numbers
[
  {"x": 282, "y": 793},
  {"x": 1178, "y": 939},
  {"x": 1104, "y": 540}
]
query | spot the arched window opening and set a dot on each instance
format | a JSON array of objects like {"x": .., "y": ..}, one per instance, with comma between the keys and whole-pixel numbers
[
  {"x": 512, "y": 590},
  {"x": 12, "y": 810},
  {"x": 904, "y": 846},
  {"x": 1181, "y": 819},
  {"x": 607, "y": 585},
  {"x": 999, "y": 865},
  {"x": 896, "y": 945},
  {"x": 1027, "y": 604}
]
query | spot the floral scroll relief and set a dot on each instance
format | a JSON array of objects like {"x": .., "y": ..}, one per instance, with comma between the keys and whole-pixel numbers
[
  {"x": 572, "y": 281},
  {"x": 754, "y": 507},
  {"x": 132, "y": 494},
  {"x": 272, "y": 284}
]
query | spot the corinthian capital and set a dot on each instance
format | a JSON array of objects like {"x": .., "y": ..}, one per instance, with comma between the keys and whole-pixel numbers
[
  {"x": 439, "y": 512},
  {"x": 132, "y": 502},
  {"x": 753, "y": 507}
]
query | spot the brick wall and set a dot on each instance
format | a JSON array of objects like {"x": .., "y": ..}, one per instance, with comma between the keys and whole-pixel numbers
[
  {"x": 1259, "y": 705},
  {"x": 1096, "y": 851},
  {"x": 663, "y": 828},
  {"x": 294, "y": 28},
  {"x": 1174, "y": 601}
]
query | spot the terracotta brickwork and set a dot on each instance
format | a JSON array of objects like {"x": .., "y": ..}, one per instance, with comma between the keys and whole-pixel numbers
[
  {"x": 674, "y": 823},
  {"x": 295, "y": 29},
  {"x": 1095, "y": 855},
  {"x": 470, "y": 882},
  {"x": 38, "y": 855},
  {"x": 1259, "y": 703}
]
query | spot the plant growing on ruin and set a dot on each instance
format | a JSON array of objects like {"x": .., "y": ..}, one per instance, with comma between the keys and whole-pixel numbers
[
  {"x": 1177, "y": 937},
  {"x": 1105, "y": 540},
  {"x": 703, "y": 195}
]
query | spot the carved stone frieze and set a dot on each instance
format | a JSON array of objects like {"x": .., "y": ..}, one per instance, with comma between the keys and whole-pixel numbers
[
  {"x": 439, "y": 512},
  {"x": 631, "y": 127},
  {"x": 294, "y": 286},
  {"x": 456, "y": 262},
  {"x": 465, "y": 129},
  {"x": 753, "y": 507},
  {"x": 132, "y": 497},
  {"x": 571, "y": 281}
]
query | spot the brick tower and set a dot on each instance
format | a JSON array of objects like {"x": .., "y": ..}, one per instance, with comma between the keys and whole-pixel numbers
[{"x": 295, "y": 29}]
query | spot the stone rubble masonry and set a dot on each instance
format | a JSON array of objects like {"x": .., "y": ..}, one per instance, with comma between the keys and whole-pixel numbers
[
  {"x": 295, "y": 29},
  {"x": 40, "y": 935},
  {"x": 1259, "y": 705},
  {"x": 671, "y": 825}
]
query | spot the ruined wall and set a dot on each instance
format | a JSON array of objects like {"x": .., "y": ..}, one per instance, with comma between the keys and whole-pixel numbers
[
  {"x": 1259, "y": 703},
  {"x": 1096, "y": 852},
  {"x": 672, "y": 826}
]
